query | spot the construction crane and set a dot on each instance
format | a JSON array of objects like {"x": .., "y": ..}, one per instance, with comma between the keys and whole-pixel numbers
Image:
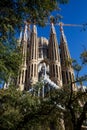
[
  {"x": 70, "y": 25},
  {"x": 74, "y": 25},
  {"x": 61, "y": 24}
]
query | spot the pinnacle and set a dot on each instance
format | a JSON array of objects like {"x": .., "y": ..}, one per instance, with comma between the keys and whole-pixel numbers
[
  {"x": 34, "y": 28},
  {"x": 53, "y": 29}
]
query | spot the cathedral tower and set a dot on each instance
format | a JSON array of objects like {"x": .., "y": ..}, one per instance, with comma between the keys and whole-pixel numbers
[
  {"x": 67, "y": 71},
  {"x": 23, "y": 44},
  {"x": 32, "y": 62},
  {"x": 54, "y": 58}
]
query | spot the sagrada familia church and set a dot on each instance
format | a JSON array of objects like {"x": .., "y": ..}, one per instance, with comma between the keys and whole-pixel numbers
[{"x": 44, "y": 59}]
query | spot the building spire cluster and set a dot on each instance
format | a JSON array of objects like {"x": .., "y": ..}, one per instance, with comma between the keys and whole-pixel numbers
[{"x": 43, "y": 58}]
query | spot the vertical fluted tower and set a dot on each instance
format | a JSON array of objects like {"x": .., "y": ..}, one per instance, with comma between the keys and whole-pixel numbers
[
  {"x": 33, "y": 58},
  {"x": 54, "y": 58},
  {"x": 67, "y": 71},
  {"x": 22, "y": 72}
]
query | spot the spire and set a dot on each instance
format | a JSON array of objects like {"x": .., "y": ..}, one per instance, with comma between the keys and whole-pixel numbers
[
  {"x": 25, "y": 32},
  {"x": 53, "y": 29},
  {"x": 67, "y": 71},
  {"x": 28, "y": 31},
  {"x": 21, "y": 77},
  {"x": 53, "y": 44},
  {"x": 54, "y": 58},
  {"x": 34, "y": 42},
  {"x": 63, "y": 43},
  {"x": 33, "y": 57},
  {"x": 20, "y": 37},
  {"x": 34, "y": 30},
  {"x": 63, "y": 37}
]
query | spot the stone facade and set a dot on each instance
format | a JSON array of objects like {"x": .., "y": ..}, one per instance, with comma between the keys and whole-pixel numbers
[{"x": 44, "y": 57}]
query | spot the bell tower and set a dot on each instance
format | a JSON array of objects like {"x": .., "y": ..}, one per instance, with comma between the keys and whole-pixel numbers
[
  {"x": 23, "y": 43},
  {"x": 67, "y": 70},
  {"x": 54, "y": 58},
  {"x": 33, "y": 58}
]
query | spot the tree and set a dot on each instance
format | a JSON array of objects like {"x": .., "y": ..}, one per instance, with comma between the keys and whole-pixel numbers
[
  {"x": 17, "y": 109},
  {"x": 21, "y": 111},
  {"x": 10, "y": 60},
  {"x": 32, "y": 11}
]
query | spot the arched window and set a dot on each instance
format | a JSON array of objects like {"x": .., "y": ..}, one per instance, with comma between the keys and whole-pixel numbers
[
  {"x": 26, "y": 76},
  {"x": 29, "y": 72},
  {"x": 57, "y": 70},
  {"x": 63, "y": 77},
  {"x": 32, "y": 70},
  {"x": 22, "y": 76},
  {"x": 67, "y": 80},
  {"x": 53, "y": 70}
]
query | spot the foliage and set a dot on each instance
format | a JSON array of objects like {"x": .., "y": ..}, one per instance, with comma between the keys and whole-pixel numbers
[
  {"x": 16, "y": 109},
  {"x": 21, "y": 111},
  {"x": 84, "y": 57},
  {"x": 31, "y": 10},
  {"x": 75, "y": 104},
  {"x": 10, "y": 60}
]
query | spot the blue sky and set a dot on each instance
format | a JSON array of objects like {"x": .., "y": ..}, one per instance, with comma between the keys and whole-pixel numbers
[{"x": 75, "y": 12}]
